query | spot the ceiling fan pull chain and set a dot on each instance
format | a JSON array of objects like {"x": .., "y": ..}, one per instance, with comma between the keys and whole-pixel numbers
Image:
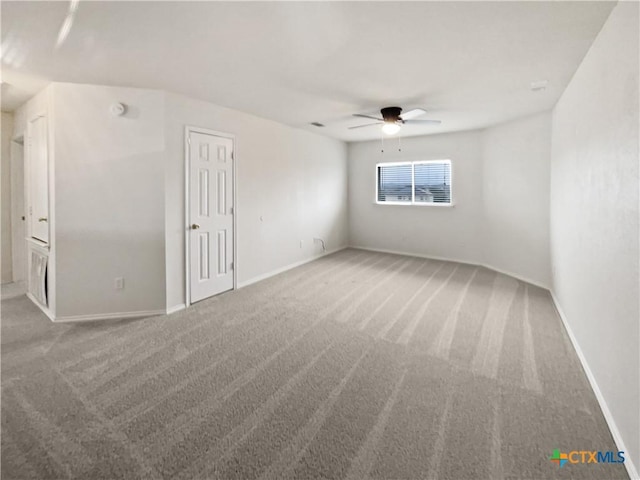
[
  {"x": 399, "y": 144},
  {"x": 381, "y": 143}
]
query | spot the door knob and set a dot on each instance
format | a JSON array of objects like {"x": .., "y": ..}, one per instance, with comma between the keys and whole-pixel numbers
[{"x": 195, "y": 226}]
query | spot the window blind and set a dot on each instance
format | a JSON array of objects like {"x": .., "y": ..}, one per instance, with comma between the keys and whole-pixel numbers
[
  {"x": 394, "y": 183},
  {"x": 414, "y": 183},
  {"x": 432, "y": 182}
]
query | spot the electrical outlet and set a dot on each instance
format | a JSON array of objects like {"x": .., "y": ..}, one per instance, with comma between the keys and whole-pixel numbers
[{"x": 119, "y": 283}]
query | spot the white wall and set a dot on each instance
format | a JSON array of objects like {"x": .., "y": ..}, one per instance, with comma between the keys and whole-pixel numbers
[
  {"x": 118, "y": 193},
  {"x": 500, "y": 188},
  {"x": 594, "y": 216},
  {"x": 291, "y": 186},
  {"x": 448, "y": 232},
  {"x": 516, "y": 164},
  {"x": 6, "y": 265},
  {"x": 109, "y": 200}
]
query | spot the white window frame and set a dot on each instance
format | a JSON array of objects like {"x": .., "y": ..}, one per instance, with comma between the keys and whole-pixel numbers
[{"x": 413, "y": 188}]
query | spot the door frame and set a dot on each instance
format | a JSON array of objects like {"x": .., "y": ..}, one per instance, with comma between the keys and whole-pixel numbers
[
  {"x": 18, "y": 155},
  {"x": 28, "y": 166},
  {"x": 188, "y": 129}
]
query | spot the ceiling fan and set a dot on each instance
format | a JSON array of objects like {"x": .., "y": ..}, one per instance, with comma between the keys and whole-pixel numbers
[{"x": 393, "y": 119}]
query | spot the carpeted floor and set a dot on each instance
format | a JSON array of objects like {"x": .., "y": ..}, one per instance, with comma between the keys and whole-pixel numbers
[{"x": 358, "y": 365}]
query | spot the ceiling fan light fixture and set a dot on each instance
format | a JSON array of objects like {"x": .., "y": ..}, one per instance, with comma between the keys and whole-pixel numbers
[
  {"x": 392, "y": 119},
  {"x": 390, "y": 128}
]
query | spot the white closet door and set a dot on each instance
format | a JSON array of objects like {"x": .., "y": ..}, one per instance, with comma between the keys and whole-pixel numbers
[
  {"x": 39, "y": 179},
  {"x": 210, "y": 215}
]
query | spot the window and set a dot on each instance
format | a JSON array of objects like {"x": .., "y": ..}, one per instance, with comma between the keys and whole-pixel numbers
[{"x": 414, "y": 183}]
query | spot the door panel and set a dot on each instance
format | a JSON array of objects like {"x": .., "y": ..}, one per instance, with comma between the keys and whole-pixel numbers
[
  {"x": 19, "y": 214},
  {"x": 210, "y": 215},
  {"x": 38, "y": 179}
]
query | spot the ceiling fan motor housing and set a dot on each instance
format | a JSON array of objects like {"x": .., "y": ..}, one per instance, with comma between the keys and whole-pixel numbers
[{"x": 391, "y": 114}]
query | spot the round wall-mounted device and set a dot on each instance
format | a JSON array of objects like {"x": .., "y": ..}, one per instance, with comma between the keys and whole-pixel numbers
[{"x": 118, "y": 109}]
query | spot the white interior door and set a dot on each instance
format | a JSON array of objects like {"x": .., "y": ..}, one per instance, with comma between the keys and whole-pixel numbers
[
  {"x": 210, "y": 215},
  {"x": 38, "y": 179},
  {"x": 18, "y": 213}
]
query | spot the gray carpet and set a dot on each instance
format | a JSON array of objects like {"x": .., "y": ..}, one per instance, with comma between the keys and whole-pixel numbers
[{"x": 358, "y": 365}]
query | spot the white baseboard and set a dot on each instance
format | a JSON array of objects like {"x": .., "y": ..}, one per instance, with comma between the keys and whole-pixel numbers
[
  {"x": 288, "y": 267},
  {"x": 615, "y": 433},
  {"x": 108, "y": 316},
  {"x": 445, "y": 259},
  {"x": 176, "y": 308},
  {"x": 516, "y": 276}
]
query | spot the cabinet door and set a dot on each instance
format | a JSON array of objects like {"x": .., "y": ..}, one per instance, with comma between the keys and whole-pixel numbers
[
  {"x": 38, "y": 276},
  {"x": 39, "y": 179}
]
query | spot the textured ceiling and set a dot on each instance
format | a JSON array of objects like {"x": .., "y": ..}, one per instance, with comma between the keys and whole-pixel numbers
[{"x": 469, "y": 64}]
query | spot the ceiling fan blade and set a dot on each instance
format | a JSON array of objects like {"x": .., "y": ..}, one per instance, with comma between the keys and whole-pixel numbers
[
  {"x": 423, "y": 122},
  {"x": 416, "y": 112},
  {"x": 367, "y": 116},
  {"x": 366, "y": 125}
]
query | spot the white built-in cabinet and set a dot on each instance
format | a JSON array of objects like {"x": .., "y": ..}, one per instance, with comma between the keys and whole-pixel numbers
[
  {"x": 38, "y": 211},
  {"x": 37, "y": 281}
]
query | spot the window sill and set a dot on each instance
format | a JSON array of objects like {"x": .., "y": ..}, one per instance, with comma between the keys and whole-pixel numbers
[{"x": 402, "y": 204}]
